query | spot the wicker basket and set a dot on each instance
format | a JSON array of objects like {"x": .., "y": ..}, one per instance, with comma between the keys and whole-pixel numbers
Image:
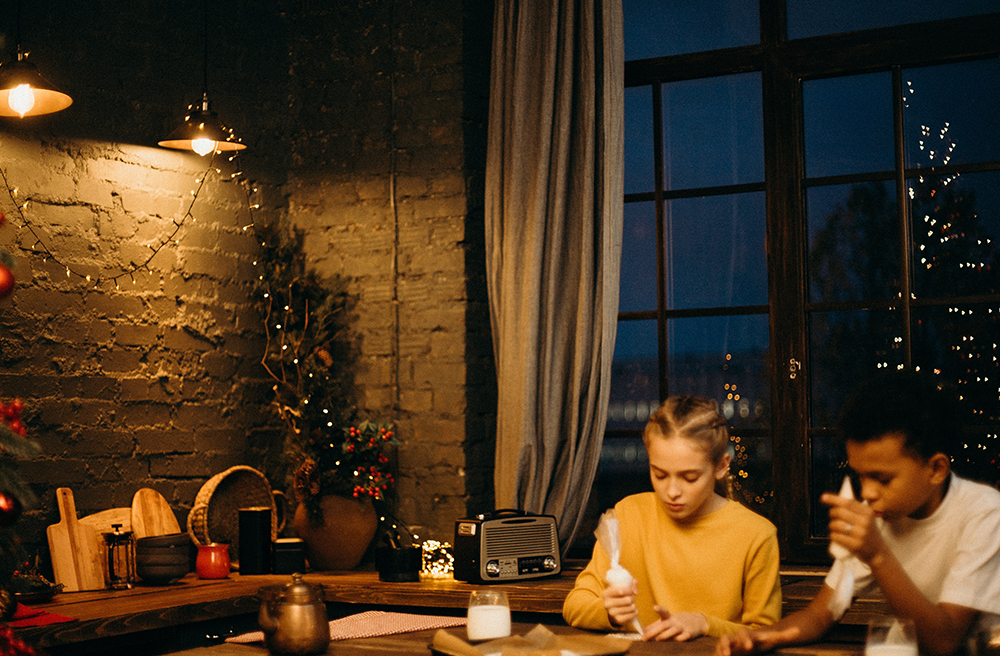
[{"x": 215, "y": 515}]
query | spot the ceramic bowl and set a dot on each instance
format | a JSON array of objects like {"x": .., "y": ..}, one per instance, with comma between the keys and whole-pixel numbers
[
  {"x": 172, "y": 540},
  {"x": 162, "y": 559},
  {"x": 160, "y": 574},
  {"x": 172, "y": 552}
]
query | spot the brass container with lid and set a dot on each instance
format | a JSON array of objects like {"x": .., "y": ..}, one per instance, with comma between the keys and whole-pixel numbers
[{"x": 293, "y": 618}]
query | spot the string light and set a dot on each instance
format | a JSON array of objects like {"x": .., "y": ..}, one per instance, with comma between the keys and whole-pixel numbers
[
  {"x": 438, "y": 562},
  {"x": 40, "y": 247}
]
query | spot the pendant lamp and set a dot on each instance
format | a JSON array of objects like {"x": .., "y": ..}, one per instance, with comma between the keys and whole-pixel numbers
[
  {"x": 23, "y": 90},
  {"x": 202, "y": 131}
]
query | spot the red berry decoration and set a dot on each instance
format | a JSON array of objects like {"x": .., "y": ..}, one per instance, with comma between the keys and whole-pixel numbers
[
  {"x": 10, "y": 509},
  {"x": 6, "y": 282}
]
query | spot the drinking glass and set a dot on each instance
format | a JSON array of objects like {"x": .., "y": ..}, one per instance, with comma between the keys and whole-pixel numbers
[
  {"x": 891, "y": 636},
  {"x": 489, "y": 615}
]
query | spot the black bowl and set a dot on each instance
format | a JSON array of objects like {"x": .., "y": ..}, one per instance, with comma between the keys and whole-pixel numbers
[
  {"x": 163, "y": 551},
  {"x": 171, "y": 540},
  {"x": 161, "y": 574},
  {"x": 162, "y": 559}
]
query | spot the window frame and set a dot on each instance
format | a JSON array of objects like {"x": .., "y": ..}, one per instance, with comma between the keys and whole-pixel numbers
[{"x": 784, "y": 65}]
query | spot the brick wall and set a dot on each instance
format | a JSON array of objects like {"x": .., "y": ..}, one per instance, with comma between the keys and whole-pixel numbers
[
  {"x": 387, "y": 171},
  {"x": 365, "y": 123}
]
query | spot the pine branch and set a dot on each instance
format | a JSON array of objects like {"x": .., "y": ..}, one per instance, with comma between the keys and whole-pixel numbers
[{"x": 17, "y": 446}]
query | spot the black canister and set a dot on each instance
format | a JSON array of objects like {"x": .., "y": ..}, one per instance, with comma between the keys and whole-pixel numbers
[
  {"x": 255, "y": 540},
  {"x": 397, "y": 564},
  {"x": 289, "y": 556}
]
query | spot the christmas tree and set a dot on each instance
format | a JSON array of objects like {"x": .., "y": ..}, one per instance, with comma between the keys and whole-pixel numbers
[{"x": 14, "y": 496}]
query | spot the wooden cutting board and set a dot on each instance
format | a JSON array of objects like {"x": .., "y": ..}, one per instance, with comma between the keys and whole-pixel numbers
[
  {"x": 106, "y": 520},
  {"x": 75, "y": 548},
  {"x": 152, "y": 515}
]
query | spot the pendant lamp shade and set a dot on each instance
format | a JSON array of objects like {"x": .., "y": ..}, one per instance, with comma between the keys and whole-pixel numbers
[
  {"x": 24, "y": 92},
  {"x": 201, "y": 132}
]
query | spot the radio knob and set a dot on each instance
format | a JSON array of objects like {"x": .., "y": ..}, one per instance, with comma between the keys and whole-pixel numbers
[
  {"x": 549, "y": 563},
  {"x": 493, "y": 568}
]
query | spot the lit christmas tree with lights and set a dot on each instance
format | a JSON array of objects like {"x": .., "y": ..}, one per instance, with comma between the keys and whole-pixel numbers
[{"x": 15, "y": 495}]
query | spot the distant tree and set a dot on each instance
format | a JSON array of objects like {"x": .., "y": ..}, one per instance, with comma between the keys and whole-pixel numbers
[{"x": 855, "y": 257}]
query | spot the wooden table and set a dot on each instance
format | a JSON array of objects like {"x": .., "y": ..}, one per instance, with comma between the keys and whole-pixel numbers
[
  {"x": 107, "y": 614},
  {"x": 418, "y": 643}
]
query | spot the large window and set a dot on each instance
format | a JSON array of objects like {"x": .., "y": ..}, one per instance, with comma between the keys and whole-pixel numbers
[{"x": 811, "y": 195}]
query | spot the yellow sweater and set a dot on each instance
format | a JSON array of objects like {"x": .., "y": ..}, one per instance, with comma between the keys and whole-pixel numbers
[{"x": 723, "y": 565}]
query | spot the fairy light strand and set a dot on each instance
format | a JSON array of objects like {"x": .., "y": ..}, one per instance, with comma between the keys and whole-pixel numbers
[{"x": 39, "y": 246}]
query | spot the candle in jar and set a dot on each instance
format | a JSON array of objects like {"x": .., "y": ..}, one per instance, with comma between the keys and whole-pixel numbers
[{"x": 488, "y": 621}]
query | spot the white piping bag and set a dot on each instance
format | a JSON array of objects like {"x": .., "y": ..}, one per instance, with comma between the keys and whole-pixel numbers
[
  {"x": 610, "y": 539},
  {"x": 844, "y": 589}
]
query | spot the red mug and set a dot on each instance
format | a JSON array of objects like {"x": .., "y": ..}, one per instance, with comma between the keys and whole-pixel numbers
[{"x": 212, "y": 561}]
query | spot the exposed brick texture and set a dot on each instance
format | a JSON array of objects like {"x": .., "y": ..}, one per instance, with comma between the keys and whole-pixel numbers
[{"x": 366, "y": 122}]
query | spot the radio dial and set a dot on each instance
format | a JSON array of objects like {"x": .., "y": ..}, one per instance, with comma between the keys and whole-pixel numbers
[
  {"x": 493, "y": 568},
  {"x": 549, "y": 563}
]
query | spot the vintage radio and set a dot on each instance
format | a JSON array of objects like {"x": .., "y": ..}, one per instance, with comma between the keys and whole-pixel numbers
[{"x": 506, "y": 545}]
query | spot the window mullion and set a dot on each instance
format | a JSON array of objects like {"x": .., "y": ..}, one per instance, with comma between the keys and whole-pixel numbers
[
  {"x": 661, "y": 260},
  {"x": 903, "y": 212},
  {"x": 786, "y": 272}
]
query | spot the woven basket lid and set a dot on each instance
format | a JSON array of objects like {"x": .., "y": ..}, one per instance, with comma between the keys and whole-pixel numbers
[{"x": 215, "y": 516}]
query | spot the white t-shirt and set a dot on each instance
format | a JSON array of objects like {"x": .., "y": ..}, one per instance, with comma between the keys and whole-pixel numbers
[{"x": 953, "y": 556}]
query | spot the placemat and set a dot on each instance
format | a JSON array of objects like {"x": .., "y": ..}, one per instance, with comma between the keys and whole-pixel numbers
[
  {"x": 370, "y": 624},
  {"x": 27, "y": 616}
]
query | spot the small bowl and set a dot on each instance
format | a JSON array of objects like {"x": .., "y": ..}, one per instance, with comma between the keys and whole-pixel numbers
[
  {"x": 171, "y": 540},
  {"x": 162, "y": 559},
  {"x": 163, "y": 551},
  {"x": 161, "y": 574}
]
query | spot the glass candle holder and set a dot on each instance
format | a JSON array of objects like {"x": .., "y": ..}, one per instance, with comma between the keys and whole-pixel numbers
[{"x": 489, "y": 615}]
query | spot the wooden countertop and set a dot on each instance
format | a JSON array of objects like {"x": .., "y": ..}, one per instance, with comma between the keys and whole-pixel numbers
[{"x": 108, "y": 613}]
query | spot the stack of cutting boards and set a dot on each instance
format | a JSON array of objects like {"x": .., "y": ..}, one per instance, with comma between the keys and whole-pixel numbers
[{"x": 77, "y": 545}]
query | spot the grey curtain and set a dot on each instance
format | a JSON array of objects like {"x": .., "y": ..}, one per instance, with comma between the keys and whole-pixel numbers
[{"x": 553, "y": 244}]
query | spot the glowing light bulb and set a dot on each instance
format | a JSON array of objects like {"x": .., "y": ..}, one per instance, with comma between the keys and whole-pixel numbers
[
  {"x": 202, "y": 146},
  {"x": 21, "y": 99}
]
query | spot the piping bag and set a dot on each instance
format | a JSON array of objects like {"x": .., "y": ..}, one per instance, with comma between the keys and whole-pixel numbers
[
  {"x": 610, "y": 539},
  {"x": 844, "y": 590}
]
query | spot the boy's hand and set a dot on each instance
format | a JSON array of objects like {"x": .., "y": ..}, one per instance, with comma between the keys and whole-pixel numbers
[
  {"x": 677, "y": 626},
  {"x": 619, "y": 601},
  {"x": 852, "y": 525},
  {"x": 745, "y": 641}
]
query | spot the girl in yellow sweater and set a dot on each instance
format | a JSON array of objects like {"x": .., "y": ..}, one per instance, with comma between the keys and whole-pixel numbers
[{"x": 702, "y": 563}]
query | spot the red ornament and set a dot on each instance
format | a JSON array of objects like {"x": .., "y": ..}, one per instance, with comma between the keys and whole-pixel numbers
[
  {"x": 6, "y": 282},
  {"x": 10, "y": 509}
]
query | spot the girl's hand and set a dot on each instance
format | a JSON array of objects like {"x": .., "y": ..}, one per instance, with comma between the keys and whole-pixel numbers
[
  {"x": 852, "y": 525},
  {"x": 676, "y": 626},
  {"x": 619, "y": 601}
]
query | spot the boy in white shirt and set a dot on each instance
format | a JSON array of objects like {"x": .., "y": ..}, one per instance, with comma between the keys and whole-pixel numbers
[{"x": 928, "y": 538}]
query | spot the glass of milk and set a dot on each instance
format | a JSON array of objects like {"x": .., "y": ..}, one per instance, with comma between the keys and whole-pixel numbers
[
  {"x": 489, "y": 615},
  {"x": 891, "y": 636}
]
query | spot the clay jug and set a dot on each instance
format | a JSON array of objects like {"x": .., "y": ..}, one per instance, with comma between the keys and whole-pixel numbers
[{"x": 341, "y": 539}]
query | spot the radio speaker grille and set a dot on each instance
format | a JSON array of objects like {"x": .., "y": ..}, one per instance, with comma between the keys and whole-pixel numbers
[{"x": 532, "y": 540}]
